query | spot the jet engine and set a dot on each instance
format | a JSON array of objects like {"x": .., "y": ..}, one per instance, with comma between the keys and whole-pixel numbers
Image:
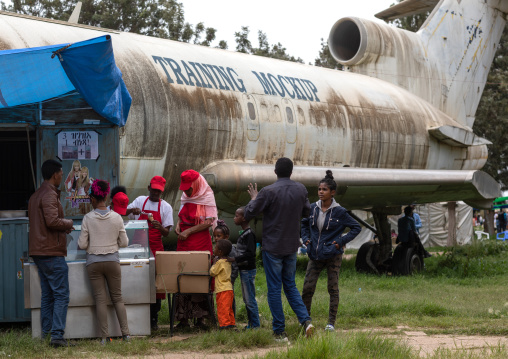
[{"x": 355, "y": 41}]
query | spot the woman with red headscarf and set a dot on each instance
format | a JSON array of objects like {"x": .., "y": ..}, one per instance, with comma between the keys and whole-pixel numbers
[{"x": 198, "y": 212}]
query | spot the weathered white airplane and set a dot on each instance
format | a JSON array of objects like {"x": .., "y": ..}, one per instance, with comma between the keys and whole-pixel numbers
[{"x": 395, "y": 127}]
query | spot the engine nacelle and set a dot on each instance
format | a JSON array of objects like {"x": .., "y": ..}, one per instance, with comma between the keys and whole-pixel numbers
[{"x": 355, "y": 41}]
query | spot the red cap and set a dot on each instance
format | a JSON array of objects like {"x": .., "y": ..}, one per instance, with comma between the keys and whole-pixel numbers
[
  {"x": 120, "y": 203},
  {"x": 158, "y": 182},
  {"x": 187, "y": 177}
]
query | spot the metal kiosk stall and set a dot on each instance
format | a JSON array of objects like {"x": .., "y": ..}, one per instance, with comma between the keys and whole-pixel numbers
[
  {"x": 138, "y": 287},
  {"x": 57, "y": 102}
]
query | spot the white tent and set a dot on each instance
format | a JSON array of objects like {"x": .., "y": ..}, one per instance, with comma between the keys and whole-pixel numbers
[{"x": 434, "y": 231}]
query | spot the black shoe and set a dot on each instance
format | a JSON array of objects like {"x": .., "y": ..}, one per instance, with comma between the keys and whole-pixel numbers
[
  {"x": 426, "y": 254},
  {"x": 281, "y": 337},
  {"x": 56, "y": 343}
]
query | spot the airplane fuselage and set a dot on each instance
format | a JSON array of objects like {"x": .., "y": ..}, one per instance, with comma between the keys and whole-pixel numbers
[{"x": 194, "y": 106}]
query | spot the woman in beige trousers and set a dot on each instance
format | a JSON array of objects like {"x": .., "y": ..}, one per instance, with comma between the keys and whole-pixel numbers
[{"x": 102, "y": 233}]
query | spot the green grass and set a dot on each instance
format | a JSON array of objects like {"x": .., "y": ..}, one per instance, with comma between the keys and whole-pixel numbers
[
  {"x": 462, "y": 291},
  {"x": 350, "y": 346}
]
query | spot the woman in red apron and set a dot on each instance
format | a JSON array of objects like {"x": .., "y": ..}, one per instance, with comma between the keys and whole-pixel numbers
[
  {"x": 155, "y": 243},
  {"x": 197, "y": 214}
]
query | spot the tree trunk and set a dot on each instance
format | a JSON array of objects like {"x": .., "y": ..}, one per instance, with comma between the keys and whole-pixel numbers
[
  {"x": 452, "y": 225},
  {"x": 489, "y": 226}
]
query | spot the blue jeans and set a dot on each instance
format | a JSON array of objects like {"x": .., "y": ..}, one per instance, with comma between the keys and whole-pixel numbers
[
  {"x": 54, "y": 277},
  {"x": 280, "y": 273},
  {"x": 249, "y": 296}
]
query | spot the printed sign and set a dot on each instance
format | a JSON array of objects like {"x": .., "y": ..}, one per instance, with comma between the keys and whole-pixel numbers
[
  {"x": 77, "y": 184},
  {"x": 78, "y": 145}
]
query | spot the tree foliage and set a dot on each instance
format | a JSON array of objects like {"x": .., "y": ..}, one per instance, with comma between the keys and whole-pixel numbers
[
  {"x": 325, "y": 58},
  {"x": 159, "y": 18},
  {"x": 276, "y": 51},
  {"x": 411, "y": 23}
]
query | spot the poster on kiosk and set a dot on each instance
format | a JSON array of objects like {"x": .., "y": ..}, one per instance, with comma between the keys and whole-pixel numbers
[{"x": 87, "y": 153}]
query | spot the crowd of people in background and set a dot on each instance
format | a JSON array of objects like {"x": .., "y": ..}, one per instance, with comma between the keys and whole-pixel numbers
[{"x": 500, "y": 220}]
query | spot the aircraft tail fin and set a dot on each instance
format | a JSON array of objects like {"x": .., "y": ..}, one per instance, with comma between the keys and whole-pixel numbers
[
  {"x": 446, "y": 62},
  {"x": 74, "y": 18},
  {"x": 462, "y": 36}
]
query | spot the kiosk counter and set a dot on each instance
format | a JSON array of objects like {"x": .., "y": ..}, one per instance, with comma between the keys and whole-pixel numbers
[{"x": 138, "y": 287}]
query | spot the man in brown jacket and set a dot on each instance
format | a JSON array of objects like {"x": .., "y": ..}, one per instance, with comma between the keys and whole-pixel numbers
[{"x": 47, "y": 246}]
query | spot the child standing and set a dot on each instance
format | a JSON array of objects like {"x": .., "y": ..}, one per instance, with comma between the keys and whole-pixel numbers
[
  {"x": 222, "y": 232},
  {"x": 221, "y": 270},
  {"x": 246, "y": 259}
]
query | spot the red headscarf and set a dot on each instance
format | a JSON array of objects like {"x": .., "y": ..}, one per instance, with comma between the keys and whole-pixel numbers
[{"x": 202, "y": 195}]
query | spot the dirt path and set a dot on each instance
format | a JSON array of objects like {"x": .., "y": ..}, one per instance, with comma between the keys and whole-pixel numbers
[
  {"x": 198, "y": 355},
  {"x": 428, "y": 344},
  {"x": 418, "y": 340}
]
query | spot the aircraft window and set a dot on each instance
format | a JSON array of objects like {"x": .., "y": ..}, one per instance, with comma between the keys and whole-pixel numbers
[
  {"x": 312, "y": 116},
  {"x": 322, "y": 118},
  {"x": 238, "y": 110},
  {"x": 342, "y": 120},
  {"x": 301, "y": 116},
  {"x": 252, "y": 111},
  {"x": 276, "y": 114},
  {"x": 264, "y": 113},
  {"x": 289, "y": 115}
]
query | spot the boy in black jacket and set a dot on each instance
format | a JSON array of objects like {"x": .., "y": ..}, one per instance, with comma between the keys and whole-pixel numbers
[{"x": 246, "y": 260}]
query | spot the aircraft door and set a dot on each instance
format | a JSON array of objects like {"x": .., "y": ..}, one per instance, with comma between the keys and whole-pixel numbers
[
  {"x": 291, "y": 120},
  {"x": 86, "y": 153}
]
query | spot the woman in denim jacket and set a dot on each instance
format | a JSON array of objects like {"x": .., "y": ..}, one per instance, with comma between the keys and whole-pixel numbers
[{"x": 322, "y": 234}]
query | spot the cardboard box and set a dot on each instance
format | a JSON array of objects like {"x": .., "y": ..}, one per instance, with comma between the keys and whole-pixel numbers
[{"x": 168, "y": 265}]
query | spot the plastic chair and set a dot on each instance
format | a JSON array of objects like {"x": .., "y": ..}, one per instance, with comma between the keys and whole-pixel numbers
[
  {"x": 480, "y": 234},
  {"x": 502, "y": 236}
]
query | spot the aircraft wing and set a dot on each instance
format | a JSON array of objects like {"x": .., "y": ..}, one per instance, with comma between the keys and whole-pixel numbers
[
  {"x": 365, "y": 188},
  {"x": 406, "y": 8}
]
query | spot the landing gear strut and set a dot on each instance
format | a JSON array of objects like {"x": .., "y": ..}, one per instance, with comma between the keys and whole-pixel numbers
[{"x": 376, "y": 257}]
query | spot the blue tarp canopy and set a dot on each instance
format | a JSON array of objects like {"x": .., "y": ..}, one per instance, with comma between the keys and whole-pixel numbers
[{"x": 37, "y": 74}]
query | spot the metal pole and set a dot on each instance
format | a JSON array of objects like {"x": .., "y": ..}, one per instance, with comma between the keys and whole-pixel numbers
[{"x": 361, "y": 221}]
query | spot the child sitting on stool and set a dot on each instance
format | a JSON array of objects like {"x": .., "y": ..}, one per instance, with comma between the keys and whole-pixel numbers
[{"x": 221, "y": 270}]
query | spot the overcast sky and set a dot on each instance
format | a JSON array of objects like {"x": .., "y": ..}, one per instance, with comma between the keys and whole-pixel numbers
[{"x": 298, "y": 25}]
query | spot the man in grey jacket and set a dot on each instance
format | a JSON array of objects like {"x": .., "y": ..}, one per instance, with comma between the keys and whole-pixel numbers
[{"x": 283, "y": 204}]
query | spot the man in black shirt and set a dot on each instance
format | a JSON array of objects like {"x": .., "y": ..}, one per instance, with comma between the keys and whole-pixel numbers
[{"x": 283, "y": 204}]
